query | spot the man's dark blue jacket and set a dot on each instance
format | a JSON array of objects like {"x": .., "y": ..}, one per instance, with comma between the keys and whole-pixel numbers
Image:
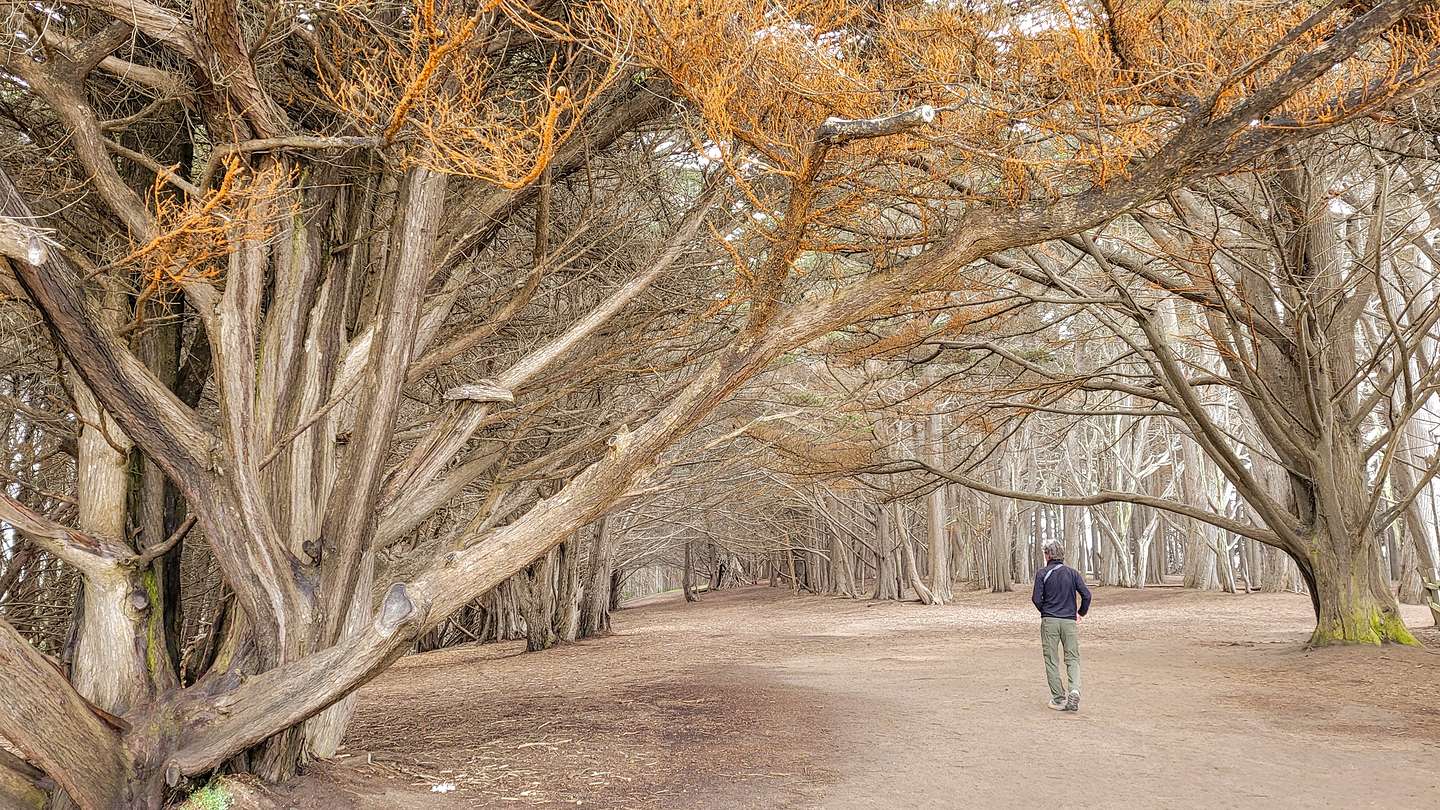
[{"x": 1055, "y": 587}]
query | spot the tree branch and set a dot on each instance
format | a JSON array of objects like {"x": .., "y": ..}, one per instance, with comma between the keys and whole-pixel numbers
[
  {"x": 56, "y": 729},
  {"x": 88, "y": 553},
  {"x": 1267, "y": 537},
  {"x": 145, "y": 408}
]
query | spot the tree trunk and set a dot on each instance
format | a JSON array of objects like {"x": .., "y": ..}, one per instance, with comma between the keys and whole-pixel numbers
[
  {"x": 112, "y": 648},
  {"x": 1355, "y": 603},
  {"x": 887, "y": 584},
  {"x": 1071, "y": 516},
  {"x": 1000, "y": 538},
  {"x": 687, "y": 582},
  {"x": 936, "y": 515},
  {"x": 325, "y": 731},
  {"x": 1410, "y": 589},
  {"x": 535, "y": 587},
  {"x": 22, "y": 787},
  {"x": 1417, "y": 526},
  {"x": 842, "y": 578},
  {"x": 595, "y": 605},
  {"x": 907, "y": 557},
  {"x": 567, "y": 597}
]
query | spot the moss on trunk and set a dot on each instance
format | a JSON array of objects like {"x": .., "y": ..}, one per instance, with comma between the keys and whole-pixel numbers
[{"x": 1355, "y": 606}]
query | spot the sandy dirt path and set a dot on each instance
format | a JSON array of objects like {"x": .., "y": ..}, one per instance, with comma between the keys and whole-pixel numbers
[{"x": 758, "y": 698}]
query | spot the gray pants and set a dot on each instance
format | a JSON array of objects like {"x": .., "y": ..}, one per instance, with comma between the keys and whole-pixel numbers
[{"x": 1061, "y": 632}]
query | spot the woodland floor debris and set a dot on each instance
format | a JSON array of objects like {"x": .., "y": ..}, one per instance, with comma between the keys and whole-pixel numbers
[{"x": 754, "y": 698}]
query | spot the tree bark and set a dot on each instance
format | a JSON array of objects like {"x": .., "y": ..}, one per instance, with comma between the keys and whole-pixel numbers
[
  {"x": 907, "y": 558},
  {"x": 568, "y": 592},
  {"x": 536, "y": 588},
  {"x": 595, "y": 609},
  {"x": 1001, "y": 510},
  {"x": 687, "y": 573},
  {"x": 936, "y": 516},
  {"x": 22, "y": 787},
  {"x": 1356, "y": 604},
  {"x": 56, "y": 729},
  {"x": 887, "y": 585}
]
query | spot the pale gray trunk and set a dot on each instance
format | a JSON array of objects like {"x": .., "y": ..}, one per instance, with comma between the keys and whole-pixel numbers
[
  {"x": 595, "y": 604},
  {"x": 887, "y": 584},
  {"x": 907, "y": 559},
  {"x": 936, "y": 514}
]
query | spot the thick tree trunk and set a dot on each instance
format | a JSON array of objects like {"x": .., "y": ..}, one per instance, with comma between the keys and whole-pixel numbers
[
  {"x": 1199, "y": 556},
  {"x": 325, "y": 731},
  {"x": 112, "y": 640},
  {"x": 1356, "y": 605},
  {"x": 535, "y": 587},
  {"x": 1410, "y": 590},
  {"x": 1071, "y": 517},
  {"x": 567, "y": 596},
  {"x": 51, "y": 724}
]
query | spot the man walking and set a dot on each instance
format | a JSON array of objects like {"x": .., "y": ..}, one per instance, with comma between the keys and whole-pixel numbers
[{"x": 1055, "y": 588}]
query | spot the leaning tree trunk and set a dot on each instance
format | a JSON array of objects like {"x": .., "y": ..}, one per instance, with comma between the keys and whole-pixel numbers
[
  {"x": 907, "y": 558},
  {"x": 1418, "y": 528},
  {"x": 842, "y": 578}
]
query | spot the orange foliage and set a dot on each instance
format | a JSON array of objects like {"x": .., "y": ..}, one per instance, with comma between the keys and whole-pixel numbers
[
  {"x": 196, "y": 235},
  {"x": 445, "y": 93},
  {"x": 1035, "y": 98}
]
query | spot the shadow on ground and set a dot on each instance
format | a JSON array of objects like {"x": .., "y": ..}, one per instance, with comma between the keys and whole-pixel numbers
[{"x": 756, "y": 698}]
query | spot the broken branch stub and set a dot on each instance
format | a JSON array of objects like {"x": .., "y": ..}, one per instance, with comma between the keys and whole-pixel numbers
[{"x": 21, "y": 242}]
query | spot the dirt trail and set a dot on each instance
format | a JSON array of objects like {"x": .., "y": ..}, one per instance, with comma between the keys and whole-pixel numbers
[{"x": 757, "y": 698}]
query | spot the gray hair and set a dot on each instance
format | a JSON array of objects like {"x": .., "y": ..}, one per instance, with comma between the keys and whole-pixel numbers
[{"x": 1054, "y": 550}]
